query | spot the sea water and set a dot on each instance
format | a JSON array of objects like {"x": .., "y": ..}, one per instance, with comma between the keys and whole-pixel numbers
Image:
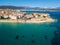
[{"x": 31, "y": 34}]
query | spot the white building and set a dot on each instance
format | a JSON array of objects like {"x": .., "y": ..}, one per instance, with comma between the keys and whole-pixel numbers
[{"x": 13, "y": 17}]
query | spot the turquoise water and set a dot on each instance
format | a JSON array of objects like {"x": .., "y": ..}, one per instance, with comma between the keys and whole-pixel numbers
[{"x": 28, "y": 34}]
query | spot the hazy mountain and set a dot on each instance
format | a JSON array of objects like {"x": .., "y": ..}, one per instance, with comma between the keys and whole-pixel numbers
[
  {"x": 25, "y": 7},
  {"x": 58, "y": 8},
  {"x": 11, "y": 7}
]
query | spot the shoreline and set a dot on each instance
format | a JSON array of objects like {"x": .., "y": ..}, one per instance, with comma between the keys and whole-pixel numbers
[
  {"x": 28, "y": 21},
  {"x": 9, "y": 16}
]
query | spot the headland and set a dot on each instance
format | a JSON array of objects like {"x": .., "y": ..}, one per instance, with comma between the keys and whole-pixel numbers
[{"x": 7, "y": 15}]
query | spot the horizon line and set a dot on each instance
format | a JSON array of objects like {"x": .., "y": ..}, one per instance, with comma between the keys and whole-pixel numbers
[{"x": 29, "y": 6}]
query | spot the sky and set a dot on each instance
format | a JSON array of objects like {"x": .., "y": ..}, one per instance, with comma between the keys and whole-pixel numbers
[{"x": 32, "y": 3}]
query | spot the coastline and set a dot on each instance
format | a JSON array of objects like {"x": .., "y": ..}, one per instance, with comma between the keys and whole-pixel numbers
[
  {"x": 10, "y": 16},
  {"x": 28, "y": 21}
]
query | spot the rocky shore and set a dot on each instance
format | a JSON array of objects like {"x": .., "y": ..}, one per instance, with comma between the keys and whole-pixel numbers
[
  {"x": 28, "y": 21},
  {"x": 22, "y": 17}
]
